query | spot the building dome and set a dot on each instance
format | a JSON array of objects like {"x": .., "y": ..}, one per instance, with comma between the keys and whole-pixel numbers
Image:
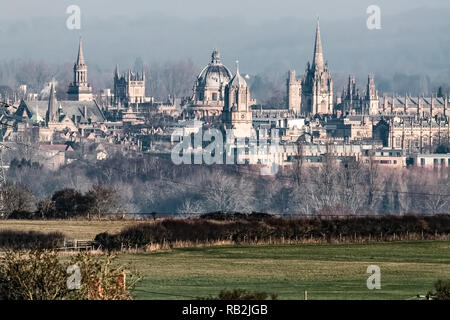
[{"x": 215, "y": 74}]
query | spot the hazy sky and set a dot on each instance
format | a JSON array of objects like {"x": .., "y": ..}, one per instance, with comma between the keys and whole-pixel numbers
[
  {"x": 252, "y": 10},
  {"x": 264, "y": 35}
]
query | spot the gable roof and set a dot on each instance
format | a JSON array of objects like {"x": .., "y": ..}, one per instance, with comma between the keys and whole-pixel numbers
[
  {"x": 70, "y": 109},
  {"x": 23, "y": 111}
]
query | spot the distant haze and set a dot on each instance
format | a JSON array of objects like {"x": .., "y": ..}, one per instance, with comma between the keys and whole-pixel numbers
[{"x": 266, "y": 36}]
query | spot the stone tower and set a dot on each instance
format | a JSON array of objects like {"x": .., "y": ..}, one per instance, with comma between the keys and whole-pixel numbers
[
  {"x": 79, "y": 89},
  {"x": 317, "y": 85},
  {"x": 294, "y": 93},
  {"x": 351, "y": 99},
  {"x": 129, "y": 88},
  {"x": 237, "y": 113},
  {"x": 372, "y": 99}
]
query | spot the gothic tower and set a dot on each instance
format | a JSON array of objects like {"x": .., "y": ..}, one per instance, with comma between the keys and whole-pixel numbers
[
  {"x": 372, "y": 99},
  {"x": 129, "y": 88},
  {"x": 317, "y": 85},
  {"x": 351, "y": 99},
  {"x": 237, "y": 113},
  {"x": 79, "y": 89},
  {"x": 294, "y": 92}
]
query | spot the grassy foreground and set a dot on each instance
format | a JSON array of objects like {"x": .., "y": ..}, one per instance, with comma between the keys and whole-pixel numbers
[{"x": 327, "y": 271}]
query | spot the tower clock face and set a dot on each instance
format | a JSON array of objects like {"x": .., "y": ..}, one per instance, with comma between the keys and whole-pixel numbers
[{"x": 243, "y": 116}]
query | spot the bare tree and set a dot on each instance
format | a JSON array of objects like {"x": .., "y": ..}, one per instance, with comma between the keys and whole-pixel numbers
[
  {"x": 16, "y": 198},
  {"x": 173, "y": 78}
]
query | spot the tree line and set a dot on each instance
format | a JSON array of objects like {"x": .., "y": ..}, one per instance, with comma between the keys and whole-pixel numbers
[
  {"x": 97, "y": 202},
  {"x": 150, "y": 184}
]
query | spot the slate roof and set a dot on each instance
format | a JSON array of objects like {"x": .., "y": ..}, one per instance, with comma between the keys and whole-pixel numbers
[{"x": 70, "y": 109}]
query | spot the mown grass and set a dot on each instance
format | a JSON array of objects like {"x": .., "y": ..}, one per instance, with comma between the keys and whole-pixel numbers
[{"x": 326, "y": 271}]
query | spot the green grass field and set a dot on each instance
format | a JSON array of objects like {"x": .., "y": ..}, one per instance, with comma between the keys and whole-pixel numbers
[{"x": 328, "y": 271}]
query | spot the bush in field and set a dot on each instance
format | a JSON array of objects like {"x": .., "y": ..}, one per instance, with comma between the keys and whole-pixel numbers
[
  {"x": 42, "y": 275},
  {"x": 101, "y": 279},
  {"x": 32, "y": 276},
  {"x": 442, "y": 290},
  {"x": 242, "y": 294},
  {"x": 235, "y": 216},
  {"x": 31, "y": 240},
  {"x": 168, "y": 230}
]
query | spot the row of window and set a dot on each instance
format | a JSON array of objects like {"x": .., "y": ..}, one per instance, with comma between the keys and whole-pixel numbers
[{"x": 436, "y": 162}]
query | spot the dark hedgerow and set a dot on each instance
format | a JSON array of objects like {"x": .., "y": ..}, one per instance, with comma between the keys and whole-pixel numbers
[
  {"x": 30, "y": 240},
  {"x": 241, "y": 294},
  {"x": 276, "y": 229},
  {"x": 235, "y": 216}
]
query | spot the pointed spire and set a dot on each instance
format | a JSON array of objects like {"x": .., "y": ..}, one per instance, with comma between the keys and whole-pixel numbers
[
  {"x": 80, "y": 59},
  {"x": 318, "y": 54},
  {"x": 52, "y": 102},
  {"x": 371, "y": 90},
  {"x": 237, "y": 67}
]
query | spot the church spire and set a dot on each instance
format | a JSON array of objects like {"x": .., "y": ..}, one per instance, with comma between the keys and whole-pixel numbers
[
  {"x": 318, "y": 54},
  {"x": 52, "y": 102},
  {"x": 117, "y": 73},
  {"x": 80, "y": 59},
  {"x": 79, "y": 89}
]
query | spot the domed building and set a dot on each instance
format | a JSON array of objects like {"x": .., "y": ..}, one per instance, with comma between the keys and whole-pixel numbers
[{"x": 209, "y": 89}]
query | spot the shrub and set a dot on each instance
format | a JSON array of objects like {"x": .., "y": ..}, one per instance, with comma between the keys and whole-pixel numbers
[
  {"x": 42, "y": 275},
  {"x": 442, "y": 290},
  {"x": 245, "y": 230},
  {"x": 235, "y": 216},
  {"x": 32, "y": 276},
  {"x": 242, "y": 294},
  {"x": 31, "y": 240}
]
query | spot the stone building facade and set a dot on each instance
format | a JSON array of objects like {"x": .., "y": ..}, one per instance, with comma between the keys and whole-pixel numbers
[
  {"x": 129, "y": 88},
  {"x": 418, "y": 136}
]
